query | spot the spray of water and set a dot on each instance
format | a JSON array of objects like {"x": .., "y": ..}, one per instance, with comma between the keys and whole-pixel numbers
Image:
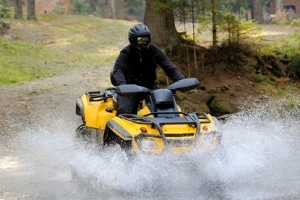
[{"x": 259, "y": 160}]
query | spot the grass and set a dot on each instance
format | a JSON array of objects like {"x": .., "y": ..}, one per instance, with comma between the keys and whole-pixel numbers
[
  {"x": 55, "y": 44},
  {"x": 22, "y": 62}
]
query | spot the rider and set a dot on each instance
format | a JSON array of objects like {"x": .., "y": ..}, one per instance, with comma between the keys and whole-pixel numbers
[{"x": 136, "y": 64}]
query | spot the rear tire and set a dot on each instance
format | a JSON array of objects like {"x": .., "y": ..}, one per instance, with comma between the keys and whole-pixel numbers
[
  {"x": 82, "y": 133},
  {"x": 90, "y": 135}
]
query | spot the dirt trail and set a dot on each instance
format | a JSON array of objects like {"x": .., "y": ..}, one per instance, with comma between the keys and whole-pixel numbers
[{"x": 28, "y": 103}]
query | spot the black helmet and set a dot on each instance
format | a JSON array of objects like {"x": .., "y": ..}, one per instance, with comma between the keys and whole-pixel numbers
[{"x": 139, "y": 36}]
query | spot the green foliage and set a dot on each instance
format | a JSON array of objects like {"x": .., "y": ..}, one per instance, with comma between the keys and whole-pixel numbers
[
  {"x": 58, "y": 9},
  {"x": 80, "y": 6},
  {"x": 235, "y": 6},
  {"x": 237, "y": 38},
  {"x": 294, "y": 67},
  {"x": 295, "y": 22},
  {"x": 291, "y": 46},
  {"x": 218, "y": 105},
  {"x": 283, "y": 48},
  {"x": 134, "y": 3},
  {"x": 5, "y": 2},
  {"x": 235, "y": 29},
  {"x": 5, "y": 11},
  {"x": 259, "y": 78},
  {"x": 292, "y": 104},
  {"x": 264, "y": 51},
  {"x": 159, "y": 7}
]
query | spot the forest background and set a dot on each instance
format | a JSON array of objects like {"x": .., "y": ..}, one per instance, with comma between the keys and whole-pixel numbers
[{"x": 222, "y": 43}]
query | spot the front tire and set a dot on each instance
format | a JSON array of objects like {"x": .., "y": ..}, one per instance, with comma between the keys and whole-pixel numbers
[{"x": 110, "y": 139}]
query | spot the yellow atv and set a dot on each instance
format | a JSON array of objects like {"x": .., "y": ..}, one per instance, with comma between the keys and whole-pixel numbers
[{"x": 159, "y": 125}]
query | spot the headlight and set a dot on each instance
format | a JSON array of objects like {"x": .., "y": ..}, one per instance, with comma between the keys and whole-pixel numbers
[
  {"x": 147, "y": 144},
  {"x": 181, "y": 143}
]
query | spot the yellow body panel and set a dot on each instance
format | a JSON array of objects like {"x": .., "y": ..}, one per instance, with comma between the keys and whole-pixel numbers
[
  {"x": 182, "y": 137},
  {"x": 95, "y": 112},
  {"x": 144, "y": 110}
]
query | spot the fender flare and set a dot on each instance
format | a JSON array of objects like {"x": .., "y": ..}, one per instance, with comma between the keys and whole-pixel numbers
[{"x": 118, "y": 130}]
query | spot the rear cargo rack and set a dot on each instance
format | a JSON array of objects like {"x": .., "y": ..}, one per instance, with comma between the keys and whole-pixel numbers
[
  {"x": 95, "y": 95},
  {"x": 101, "y": 95}
]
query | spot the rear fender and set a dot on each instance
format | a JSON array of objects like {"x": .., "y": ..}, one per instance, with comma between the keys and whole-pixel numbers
[{"x": 79, "y": 108}]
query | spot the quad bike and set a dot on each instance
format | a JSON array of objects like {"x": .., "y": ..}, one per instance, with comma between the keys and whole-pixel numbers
[{"x": 159, "y": 124}]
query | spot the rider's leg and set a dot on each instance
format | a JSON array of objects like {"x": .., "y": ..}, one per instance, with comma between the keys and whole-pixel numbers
[{"x": 127, "y": 105}]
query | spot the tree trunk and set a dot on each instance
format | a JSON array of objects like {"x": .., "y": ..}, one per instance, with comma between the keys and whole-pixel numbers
[
  {"x": 214, "y": 23},
  {"x": 160, "y": 20},
  {"x": 18, "y": 9},
  {"x": 93, "y": 4},
  {"x": 279, "y": 6},
  {"x": 214, "y": 32},
  {"x": 257, "y": 11},
  {"x": 65, "y": 5},
  {"x": 31, "y": 10},
  {"x": 113, "y": 9}
]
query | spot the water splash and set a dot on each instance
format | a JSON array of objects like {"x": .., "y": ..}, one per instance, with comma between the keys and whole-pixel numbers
[{"x": 259, "y": 161}]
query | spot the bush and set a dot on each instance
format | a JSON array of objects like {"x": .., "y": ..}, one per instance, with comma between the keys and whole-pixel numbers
[
  {"x": 259, "y": 78},
  {"x": 79, "y": 6},
  {"x": 294, "y": 67},
  {"x": 295, "y": 22},
  {"x": 4, "y": 11}
]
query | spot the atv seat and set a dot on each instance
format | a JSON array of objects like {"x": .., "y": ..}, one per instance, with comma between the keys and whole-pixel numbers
[{"x": 164, "y": 102}]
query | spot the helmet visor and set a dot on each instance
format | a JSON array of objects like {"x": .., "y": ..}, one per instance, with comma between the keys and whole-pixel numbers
[{"x": 143, "y": 40}]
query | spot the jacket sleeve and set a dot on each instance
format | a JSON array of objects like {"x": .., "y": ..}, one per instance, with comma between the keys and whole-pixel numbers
[
  {"x": 169, "y": 68},
  {"x": 120, "y": 67}
]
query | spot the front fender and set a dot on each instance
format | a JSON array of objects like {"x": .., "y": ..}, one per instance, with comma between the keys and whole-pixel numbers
[{"x": 118, "y": 130}]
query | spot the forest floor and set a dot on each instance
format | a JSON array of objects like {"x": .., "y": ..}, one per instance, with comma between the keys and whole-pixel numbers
[{"x": 234, "y": 90}]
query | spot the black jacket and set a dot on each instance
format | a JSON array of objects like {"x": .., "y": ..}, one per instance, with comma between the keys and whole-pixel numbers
[{"x": 132, "y": 67}]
